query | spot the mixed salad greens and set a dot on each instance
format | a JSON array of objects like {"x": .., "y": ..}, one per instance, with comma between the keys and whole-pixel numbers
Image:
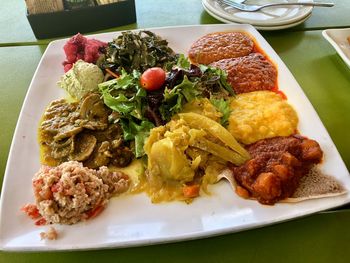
[
  {"x": 141, "y": 102},
  {"x": 140, "y": 110}
]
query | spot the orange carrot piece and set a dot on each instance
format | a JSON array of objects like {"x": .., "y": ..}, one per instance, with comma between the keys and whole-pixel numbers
[
  {"x": 95, "y": 212},
  {"x": 112, "y": 73},
  {"x": 191, "y": 191},
  {"x": 242, "y": 192}
]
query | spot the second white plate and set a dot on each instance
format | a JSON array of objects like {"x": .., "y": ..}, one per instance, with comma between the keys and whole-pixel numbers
[
  {"x": 218, "y": 16},
  {"x": 338, "y": 38},
  {"x": 272, "y": 16}
]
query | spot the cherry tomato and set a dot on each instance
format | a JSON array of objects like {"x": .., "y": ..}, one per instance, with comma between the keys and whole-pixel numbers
[{"x": 153, "y": 78}]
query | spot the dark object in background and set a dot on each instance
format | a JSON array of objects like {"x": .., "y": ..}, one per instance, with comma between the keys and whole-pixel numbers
[
  {"x": 88, "y": 19},
  {"x": 44, "y": 6},
  {"x": 76, "y": 4}
]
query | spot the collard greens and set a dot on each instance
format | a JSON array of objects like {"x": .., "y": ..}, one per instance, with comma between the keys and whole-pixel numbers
[{"x": 138, "y": 51}]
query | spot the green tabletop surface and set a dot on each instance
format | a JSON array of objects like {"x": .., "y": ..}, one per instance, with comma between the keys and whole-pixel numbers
[
  {"x": 323, "y": 76},
  {"x": 317, "y": 238},
  {"x": 16, "y": 29}
]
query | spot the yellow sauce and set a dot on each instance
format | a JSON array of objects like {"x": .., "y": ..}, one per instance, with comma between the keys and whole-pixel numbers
[{"x": 260, "y": 115}]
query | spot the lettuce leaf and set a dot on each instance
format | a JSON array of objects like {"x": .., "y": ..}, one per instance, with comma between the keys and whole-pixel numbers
[
  {"x": 125, "y": 96},
  {"x": 183, "y": 62},
  {"x": 216, "y": 77},
  {"x": 222, "y": 106},
  {"x": 137, "y": 133},
  {"x": 175, "y": 98}
]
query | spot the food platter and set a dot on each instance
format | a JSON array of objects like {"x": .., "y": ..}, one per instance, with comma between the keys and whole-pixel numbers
[{"x": 132, "y": 220}]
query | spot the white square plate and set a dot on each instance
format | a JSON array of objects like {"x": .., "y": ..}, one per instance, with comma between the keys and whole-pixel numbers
[
  {"x": 338, "y": 39},
  {"x": 133, "y": 220}
]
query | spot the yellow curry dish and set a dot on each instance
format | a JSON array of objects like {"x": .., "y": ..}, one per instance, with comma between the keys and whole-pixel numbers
[{"x": 186, "y": 155}]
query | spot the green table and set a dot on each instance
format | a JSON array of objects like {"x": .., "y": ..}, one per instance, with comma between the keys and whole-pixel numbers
[
  {"x": 325, "y": 79},
  {"x": 157, "y": 13}
]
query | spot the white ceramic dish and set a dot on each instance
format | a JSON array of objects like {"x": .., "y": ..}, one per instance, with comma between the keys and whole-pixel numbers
[
  {"x": 338, "y": 39},
  {"x": 272, "y": 16},
  {"x": 133, "y": 220},
  {"x": 216, "y": 15}
]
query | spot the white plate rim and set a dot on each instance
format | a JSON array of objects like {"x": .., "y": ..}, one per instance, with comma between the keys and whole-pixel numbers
[
  {"x": 305, "y": 11},
  {"x": 333, "y": 35},
  {"x": 311, "y": 206}
]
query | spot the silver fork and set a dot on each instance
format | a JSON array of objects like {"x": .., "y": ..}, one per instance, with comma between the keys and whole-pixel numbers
[{"x": 253, "y": 8}]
